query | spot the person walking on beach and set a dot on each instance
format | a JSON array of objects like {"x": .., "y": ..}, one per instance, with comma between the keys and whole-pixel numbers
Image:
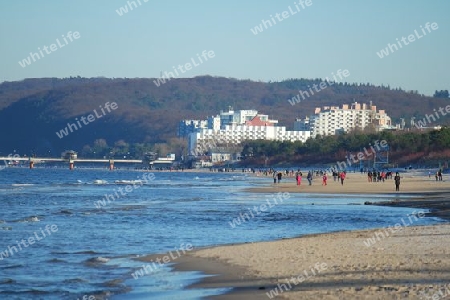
[
  {"x": 324, "y": 179},
  {"x": 335, "y": 175},
  {"x": 279, "y": 175},
  {"x": 397, "y": 182},
  {"x": 274, "y": 177},
  {"x": 298, "y": 177},
  {"x": 309, "y": 177},
  {"x": 342, "y": 176}
]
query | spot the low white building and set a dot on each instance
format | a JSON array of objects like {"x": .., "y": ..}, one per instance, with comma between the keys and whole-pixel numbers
[
  {"x": 201, "y": 141},
  {"x": 230, "y": 128}
]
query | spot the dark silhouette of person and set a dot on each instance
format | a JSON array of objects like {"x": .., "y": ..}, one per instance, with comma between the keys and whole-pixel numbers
[
  {"x": 309, "y": 177},
  {"x": 397, "y": 182},
  {"x": 279, "y": 175}
]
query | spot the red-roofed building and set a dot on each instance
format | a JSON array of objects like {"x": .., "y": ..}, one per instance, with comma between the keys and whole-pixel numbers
[{"x": 256, "y": 121}]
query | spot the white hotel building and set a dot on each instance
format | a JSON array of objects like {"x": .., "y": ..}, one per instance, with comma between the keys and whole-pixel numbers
[
  {"x": 233, "y": 127},
  {"x": 331, "y": 120}
]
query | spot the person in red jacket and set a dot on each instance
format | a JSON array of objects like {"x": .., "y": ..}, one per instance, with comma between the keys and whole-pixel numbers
[
  {"x": 324, "y": 179},
  {"x": 298, "y": 177},
  {"x": 342, "y": 176}
]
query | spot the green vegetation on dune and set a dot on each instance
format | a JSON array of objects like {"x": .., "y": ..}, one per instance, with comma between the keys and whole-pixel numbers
[{"x": 423, "y": 147}]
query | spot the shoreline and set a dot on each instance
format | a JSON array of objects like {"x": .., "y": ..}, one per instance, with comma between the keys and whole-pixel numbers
[
  {"x": 241, "y": 267},
  {"x": 436, "y": 203},
  {"x": 428, "y": 193}
]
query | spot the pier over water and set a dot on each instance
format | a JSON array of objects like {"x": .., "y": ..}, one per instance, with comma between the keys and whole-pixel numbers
[{"x": 71, "y": 160}]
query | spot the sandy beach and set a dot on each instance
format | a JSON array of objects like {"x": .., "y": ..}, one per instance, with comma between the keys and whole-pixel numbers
[
  {"x": 409, "y": 264},
  {"x": 356, "y": 183},
  {"x": 406, "y": 263}
]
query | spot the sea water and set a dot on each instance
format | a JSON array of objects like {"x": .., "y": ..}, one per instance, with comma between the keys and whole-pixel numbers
[{"x": 94, "y": 248}]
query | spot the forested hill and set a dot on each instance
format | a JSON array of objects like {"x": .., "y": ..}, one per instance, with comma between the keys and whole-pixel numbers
[{"x": 33, "y": 110}]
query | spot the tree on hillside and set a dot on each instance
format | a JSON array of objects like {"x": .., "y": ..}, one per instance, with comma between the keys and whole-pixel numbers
[{"x": 441, "y": 94}]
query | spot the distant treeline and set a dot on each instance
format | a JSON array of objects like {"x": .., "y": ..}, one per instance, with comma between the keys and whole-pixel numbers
[
  {"x": 404, "y": 147},
  {"x": 33, "y": 110}
]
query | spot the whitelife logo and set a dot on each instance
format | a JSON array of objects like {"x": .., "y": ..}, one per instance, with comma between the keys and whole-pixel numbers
[
  {"x": 266, "y": 24},
  {"x": 124, "y": 9},
  {"x": 86, "y": 120},
  {"x": 48, "y": 50},
  {"x": 322, "y": 85},
  {"x": 152, "y": 267},
  {"x": 31, "y": 240},
  {"x": 391, "y": 48},
  {"x": 87, "y": 297},
  {"x": 244, "y": 217},
  {"x": 282, "y": 287},
  {"x": 390, "y": 230},
  {"x": 429, "y": 118},
  {"x": 146, "y": 178},
  {"x": 187, "y": 67},
  {"x": 9, "y": 161},
  {"x": 438, "y": 295}
]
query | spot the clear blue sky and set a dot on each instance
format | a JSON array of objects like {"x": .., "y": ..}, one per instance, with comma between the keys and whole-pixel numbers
[{"x": 320, "y": 39}]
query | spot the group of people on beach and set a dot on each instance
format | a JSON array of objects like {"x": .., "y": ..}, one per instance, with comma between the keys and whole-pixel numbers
[
  {"x": 298, "y": 177},
  {"x": 437, "y": 175},
  {"x": 381, "y": 176},
  {"x": 277, "y": 176},
  {"x": 377, "y": 176},
  {"x": 338, "y": 176}
]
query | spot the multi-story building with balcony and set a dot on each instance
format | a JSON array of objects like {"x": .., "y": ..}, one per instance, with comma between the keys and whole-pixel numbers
[{"x": 331, "y": 120}]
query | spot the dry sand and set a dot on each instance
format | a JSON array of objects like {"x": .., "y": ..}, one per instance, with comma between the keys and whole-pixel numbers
[{"x": 401, "y": 266}]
